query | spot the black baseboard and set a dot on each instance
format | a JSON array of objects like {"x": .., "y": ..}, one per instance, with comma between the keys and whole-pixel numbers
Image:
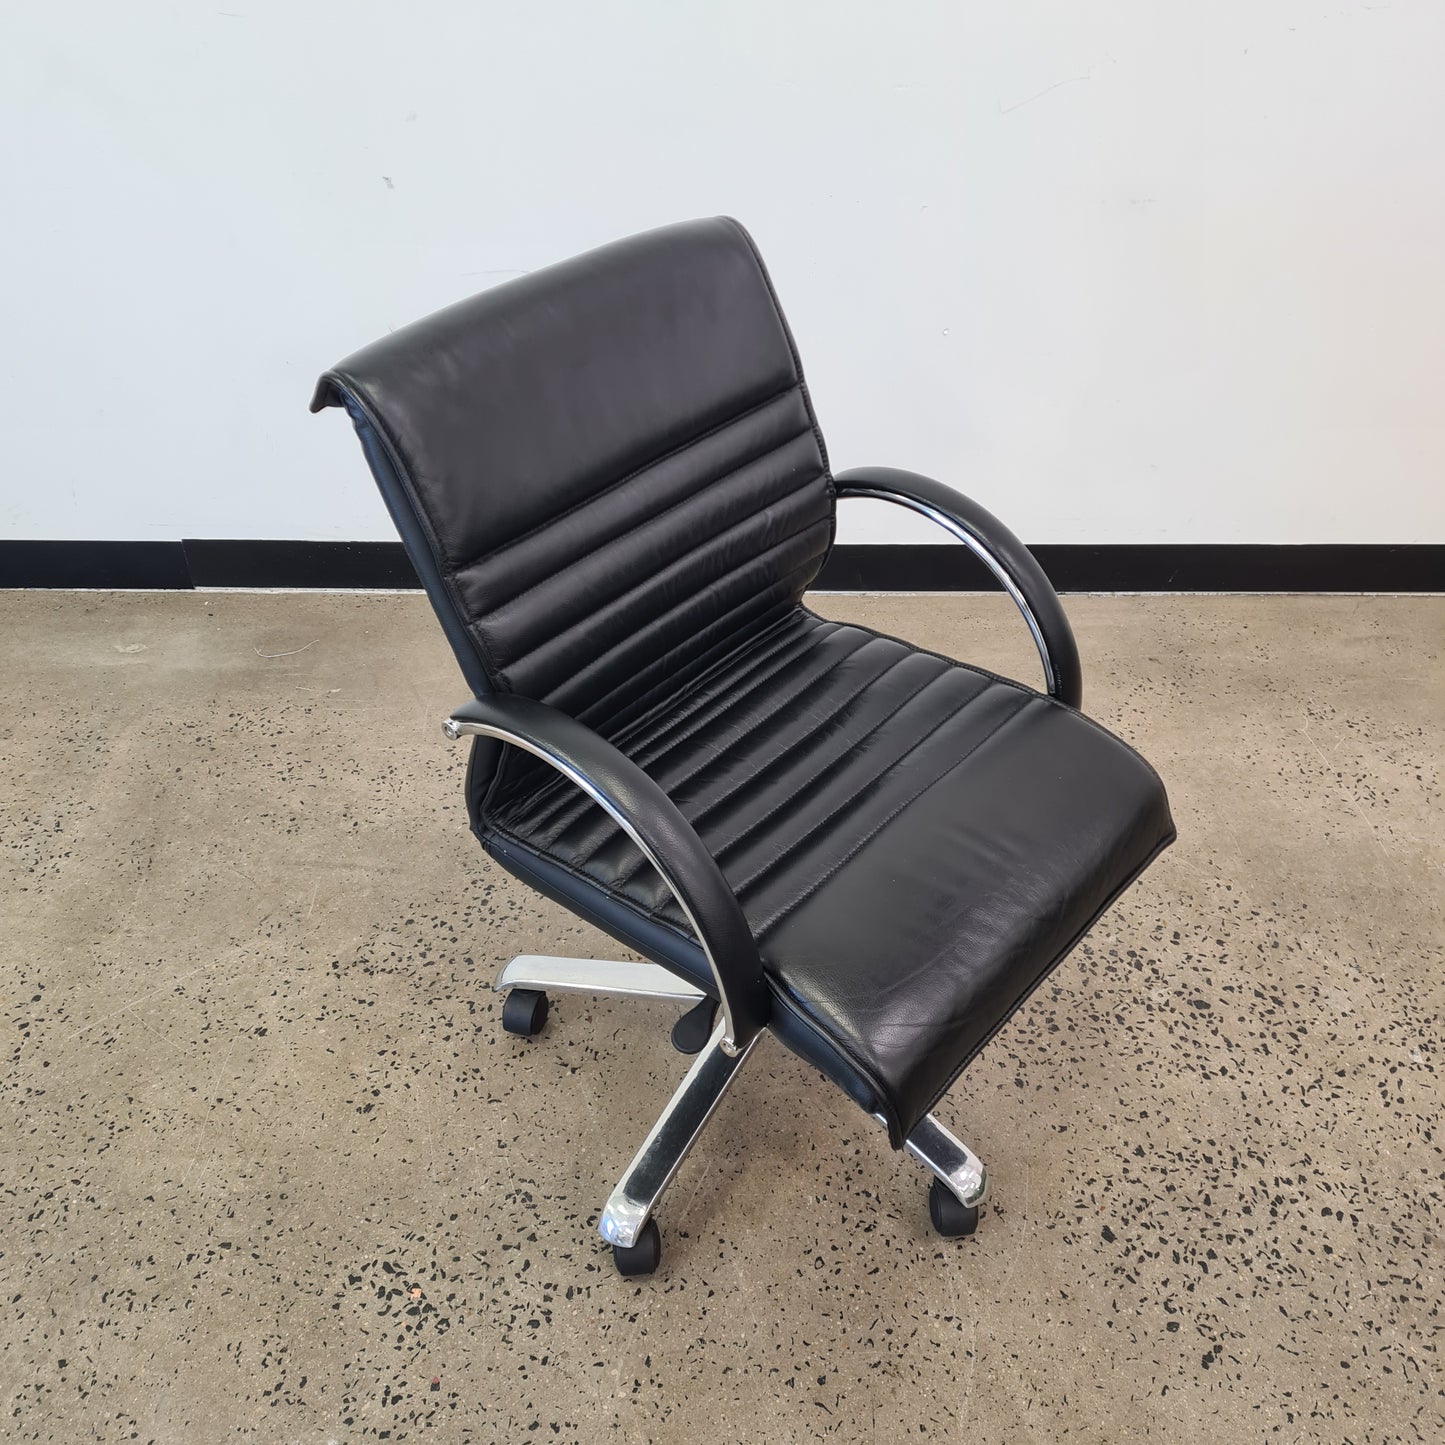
[
  {"x": 299, "y": 564},
  {"x": 1123, "y": 567},
  {"x": 94, "y": 564},
  {"x": 876, "y": 568}
]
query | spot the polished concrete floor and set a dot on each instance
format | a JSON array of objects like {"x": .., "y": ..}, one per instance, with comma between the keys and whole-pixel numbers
[{"x": 270, "y": 1170}]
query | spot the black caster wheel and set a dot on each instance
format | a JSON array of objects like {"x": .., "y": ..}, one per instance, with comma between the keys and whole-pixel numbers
[
  {"x": 525, "y": 1012},
  {"x": 644, "y": 1256},
  {"x": 951, "y": 1218}
]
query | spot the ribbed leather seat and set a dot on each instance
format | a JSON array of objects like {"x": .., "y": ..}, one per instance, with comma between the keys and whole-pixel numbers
[{"x": 914, "y": 842}]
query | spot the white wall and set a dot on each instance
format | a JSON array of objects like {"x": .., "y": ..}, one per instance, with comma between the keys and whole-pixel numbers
[{"x": 1128, "y": 271}]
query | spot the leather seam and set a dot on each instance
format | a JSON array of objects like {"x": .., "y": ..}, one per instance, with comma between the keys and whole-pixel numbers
[
  {"x": 683, "y": 557},
  {"x": 787, "y": 699},
  {"x": 691, "y": 601},
  {"x": 1018, "y": 686},
  {"x": 778, "y": 916},
  {"x": 812, "y": 732},
  {"x": 592, "y": 709},
  {"x": 785, "y": 996},
  {"x": 797, "y": 369},
  {"x": 772, "y": 812},
  {"x": 550, "y": 575},
  {"x": 844, "y": 1050},
  {"x": 784, "y": 803},
  {"x": 784, "y": 701},
  {"x": 647, "y": 466},
  {"x": 659, "y": 699},
  {"x": 566, "y": 798},
  {"x": 694, "y": 692},
  {"x": 647, "y": 762},
  {"x": 768, "y": 669}
]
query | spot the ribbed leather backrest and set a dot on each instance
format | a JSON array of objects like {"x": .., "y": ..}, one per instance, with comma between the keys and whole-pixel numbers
[{"x": 608, "y": 472}]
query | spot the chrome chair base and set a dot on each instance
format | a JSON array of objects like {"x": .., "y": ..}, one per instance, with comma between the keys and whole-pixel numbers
[{"x": 681, "y": 1122}]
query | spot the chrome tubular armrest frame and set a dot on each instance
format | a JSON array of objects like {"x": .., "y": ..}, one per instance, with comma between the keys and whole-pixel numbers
[
  {"x": 999, "y": 550},
  {"x": 663, "y": 836}
]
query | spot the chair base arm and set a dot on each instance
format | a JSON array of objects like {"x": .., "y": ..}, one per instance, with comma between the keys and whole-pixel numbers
[
  {"x": 624, "y": 979},
  {"x": 950, "y": 1159},
  {"x": 670, "y": 1141}
]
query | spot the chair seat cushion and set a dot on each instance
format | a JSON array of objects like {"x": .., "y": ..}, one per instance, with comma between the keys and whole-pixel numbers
[{"x": 916, "y": 843}]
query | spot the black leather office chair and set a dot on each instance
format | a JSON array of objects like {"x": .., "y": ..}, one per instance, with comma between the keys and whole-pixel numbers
[{"x": 612, "y": 484}]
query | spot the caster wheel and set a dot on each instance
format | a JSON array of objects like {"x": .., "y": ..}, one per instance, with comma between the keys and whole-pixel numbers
[
  {"x": 525, "y": 1012},
  {"x": 644, "y": 1256},
  {"x": 950, "y": 1217}
]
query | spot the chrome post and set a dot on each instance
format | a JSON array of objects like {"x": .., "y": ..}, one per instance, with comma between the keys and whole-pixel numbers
[
  {"x": 595, "y": 975},
  {"x": 672, "y": 1137}
]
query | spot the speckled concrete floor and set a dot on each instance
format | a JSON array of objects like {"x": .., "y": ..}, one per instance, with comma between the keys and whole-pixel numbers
[{"x": 271, "y": 1171}]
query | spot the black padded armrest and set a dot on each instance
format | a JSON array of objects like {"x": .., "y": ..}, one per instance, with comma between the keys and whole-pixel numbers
[
  {"x": 652, "y": 820},
  {"x": 1000, "y": 551}
]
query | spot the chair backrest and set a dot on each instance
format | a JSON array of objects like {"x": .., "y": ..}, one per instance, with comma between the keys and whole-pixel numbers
[{"x": 607, "y": 473}]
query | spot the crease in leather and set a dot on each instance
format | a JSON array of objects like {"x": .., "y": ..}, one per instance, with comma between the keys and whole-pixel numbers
[
  {"x": 554, "y": 805},
  {"x": 595, "y": 716},
  {"x": 827, "y": 766},
  {"x": 698, "y": 814},
  {"x": 629, "y": 533},
  {"x": 686, "y": 684},
  {"x": 717, "y": 657},
  {"x": 592, "y": 498},
  {"x": 722, "y": 847},
  {"x": 640, "y": 747},
  {"x": 556, "y": 689},
  {"x": 710, "y": 662},
  {"x": 791, "y": 700},
  {"x": 750, "y": 883},
  {"x": 597, "y": 618},
  {"x": 1013, "y": 682},
  {"x": 655, "y": 747},
  {"x": 693, "y": 692}
]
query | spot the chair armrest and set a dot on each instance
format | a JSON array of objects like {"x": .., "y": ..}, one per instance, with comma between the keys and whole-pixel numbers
[
  {"x": 652, "y": 820},
  {"x": 999, "y": 550}
]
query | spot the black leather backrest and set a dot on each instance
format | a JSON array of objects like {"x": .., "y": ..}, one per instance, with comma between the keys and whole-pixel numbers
[{"x": 608, "y": 473}]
